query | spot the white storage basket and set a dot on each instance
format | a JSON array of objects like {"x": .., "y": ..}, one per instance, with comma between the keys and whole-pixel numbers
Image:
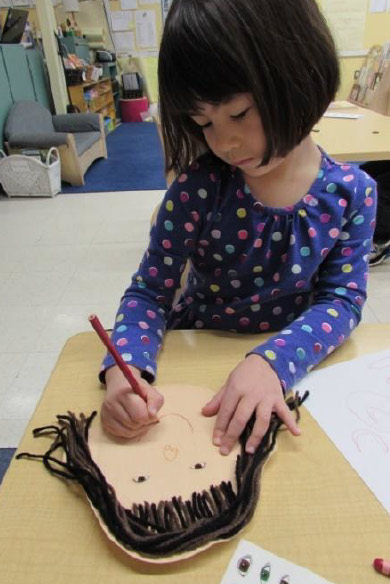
[{"x": 24, "y": 176}]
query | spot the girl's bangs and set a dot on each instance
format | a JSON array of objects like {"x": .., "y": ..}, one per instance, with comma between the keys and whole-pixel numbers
[{"x": 191, "y": 72}]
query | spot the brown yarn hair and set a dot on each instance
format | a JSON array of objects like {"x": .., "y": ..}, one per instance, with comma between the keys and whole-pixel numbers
[
  {"x": 280, "y": 51},
  {"x": 168, "y": 527}
]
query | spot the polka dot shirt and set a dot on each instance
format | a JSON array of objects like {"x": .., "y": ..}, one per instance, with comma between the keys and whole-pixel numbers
[{"x": 299, "y": 270}]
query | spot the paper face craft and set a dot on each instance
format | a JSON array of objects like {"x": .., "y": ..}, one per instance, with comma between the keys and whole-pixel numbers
[{"x": 169, "y": 494}]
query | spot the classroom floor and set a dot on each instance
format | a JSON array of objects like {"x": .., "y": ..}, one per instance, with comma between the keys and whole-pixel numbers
[{"x": 62, "y": 259}]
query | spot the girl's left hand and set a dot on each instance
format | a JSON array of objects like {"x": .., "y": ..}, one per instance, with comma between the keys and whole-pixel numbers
[{"x": 252, "y": 386}]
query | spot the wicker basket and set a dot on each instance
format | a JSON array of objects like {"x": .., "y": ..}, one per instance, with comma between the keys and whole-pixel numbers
[{"x": 24, "y": 176}]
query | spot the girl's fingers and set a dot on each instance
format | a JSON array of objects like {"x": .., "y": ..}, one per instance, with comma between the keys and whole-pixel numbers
[
  {"x": 286, "y": 415},
  {"x": 225, "y": 414},
  {"x": 260, "y": 427},
  {"x": 212, "y": 407},
  {"x": 135, "y": 409},
  {"x": 237, "y": 424},
  {"x": 119, "y": 431},
  {"x": 155, "y": 401}
]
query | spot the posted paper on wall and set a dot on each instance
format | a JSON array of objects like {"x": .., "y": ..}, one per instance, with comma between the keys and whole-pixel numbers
[
  {"x": 129, "y": 4},
  {"x": 351, "y": 403},
  {"x": 378, "y": 5},
  {"x": 252, "y": 564},
  {"x": 347, "y": 20},
  {"x": 121, "y": 20},
  {"x": 124, "y": 41},
  {"x": 145, "y": 22}
]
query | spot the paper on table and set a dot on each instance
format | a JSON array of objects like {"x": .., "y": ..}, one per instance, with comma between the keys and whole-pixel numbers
[
  {"x": 351, "y": 402},
  {"x": 275, "y": 570},
  {"x": 344, "y": 116}
]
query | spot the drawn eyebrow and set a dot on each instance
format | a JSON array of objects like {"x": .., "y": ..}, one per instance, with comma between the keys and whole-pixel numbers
[{"x": 180, "y": 416}]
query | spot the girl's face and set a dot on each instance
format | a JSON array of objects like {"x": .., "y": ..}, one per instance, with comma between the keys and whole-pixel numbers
[{"x": 234, "y": 132}]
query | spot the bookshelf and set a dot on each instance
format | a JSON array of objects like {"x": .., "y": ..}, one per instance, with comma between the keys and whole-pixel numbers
[{"x": 95, "y": 97}]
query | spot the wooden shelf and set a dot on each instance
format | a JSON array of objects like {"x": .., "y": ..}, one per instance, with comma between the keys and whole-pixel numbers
[{"x": 101, "y": 102}]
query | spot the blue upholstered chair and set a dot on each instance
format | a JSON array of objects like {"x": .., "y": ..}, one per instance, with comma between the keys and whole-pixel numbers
[{"x": 80, "y": 138}]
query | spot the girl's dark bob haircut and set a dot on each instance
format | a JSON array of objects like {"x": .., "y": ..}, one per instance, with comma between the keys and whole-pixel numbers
[{"x": 280, "y": 51}]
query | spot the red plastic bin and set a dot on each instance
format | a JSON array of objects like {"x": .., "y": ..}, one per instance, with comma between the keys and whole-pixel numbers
[{"x": 131, "y": 109}]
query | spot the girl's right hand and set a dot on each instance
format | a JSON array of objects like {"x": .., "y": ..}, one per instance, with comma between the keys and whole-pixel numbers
[{"x": 125, "y": 414}]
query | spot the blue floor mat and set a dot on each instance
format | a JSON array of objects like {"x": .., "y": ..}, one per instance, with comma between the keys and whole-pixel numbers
[
  {"x": 135, "y": 162},
  {"x": 6, "y": 455}
]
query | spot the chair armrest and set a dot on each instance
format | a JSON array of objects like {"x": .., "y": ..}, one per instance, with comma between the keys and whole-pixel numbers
[
  {"x": 76, "y": 123},
  {"x": 46, "y": 140}
]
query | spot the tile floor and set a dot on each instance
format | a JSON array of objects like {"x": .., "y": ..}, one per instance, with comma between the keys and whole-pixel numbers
[{"x": 63, "y": 258}]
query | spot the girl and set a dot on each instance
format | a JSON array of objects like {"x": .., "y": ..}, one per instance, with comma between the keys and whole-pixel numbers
[{"x": 277, "y": 234}]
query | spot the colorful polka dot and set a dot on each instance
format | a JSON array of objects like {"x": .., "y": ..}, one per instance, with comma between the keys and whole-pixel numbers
[
  {"x": 307, "y": 328},
  {"x": 334, "y": 233},
  {"x": 325, "y": 218},
  {"x": 347, "y": 268},
  {"x": 242, "y": 234},
  {"x": 358, "y": 220},
  {"x": 270, "y": 354},
  {"x": 305, "y": 251},
  {"x": 332, "y": 312}
]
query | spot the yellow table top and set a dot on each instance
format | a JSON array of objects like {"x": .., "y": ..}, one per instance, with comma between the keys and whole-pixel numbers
[
  {"x": 314, "y": 509},
  {"x": 365, "y": 138}
]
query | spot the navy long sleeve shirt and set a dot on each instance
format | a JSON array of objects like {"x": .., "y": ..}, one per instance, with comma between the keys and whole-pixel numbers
[{"x": 298, "y": 270}]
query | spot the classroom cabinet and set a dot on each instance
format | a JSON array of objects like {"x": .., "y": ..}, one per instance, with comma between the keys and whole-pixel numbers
[{"x": 95, "y": 97}]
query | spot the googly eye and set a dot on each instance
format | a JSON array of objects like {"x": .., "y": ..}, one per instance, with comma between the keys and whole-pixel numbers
[
  {"x": 141, "y": 479},
  {"x": 244, "y": 564},
  {"x": 285, "y": 580},
  {"x": 198, "y": 465},
  {"x": 265, "y": 573}
]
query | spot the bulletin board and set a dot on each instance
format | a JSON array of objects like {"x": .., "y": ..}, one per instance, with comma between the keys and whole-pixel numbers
[
  {"x": 347, "y": 21},
  {"x": 135, "y": 26}
]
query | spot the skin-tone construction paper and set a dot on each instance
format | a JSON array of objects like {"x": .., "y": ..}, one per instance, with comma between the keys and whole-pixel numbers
[
  {"x": 175, "y": 456},
  {"x": 252, "y": 564},
  {"x": 169, "y": 493}
]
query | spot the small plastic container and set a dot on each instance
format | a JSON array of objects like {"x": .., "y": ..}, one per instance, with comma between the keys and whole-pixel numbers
[{"x": 25, "y": 176}]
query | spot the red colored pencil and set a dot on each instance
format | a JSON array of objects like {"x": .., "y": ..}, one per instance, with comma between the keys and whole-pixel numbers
[
  {"x": 97, "y": 325},
  {"x": 382, "y": 566}
]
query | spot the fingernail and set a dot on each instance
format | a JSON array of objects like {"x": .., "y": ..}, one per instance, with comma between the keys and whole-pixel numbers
[
  {"x": 224, "y": 450},
  {"x": 250, "y": 450},
  {"x": 217, "y": 440},
  {"x": 153, "y": 412}
]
